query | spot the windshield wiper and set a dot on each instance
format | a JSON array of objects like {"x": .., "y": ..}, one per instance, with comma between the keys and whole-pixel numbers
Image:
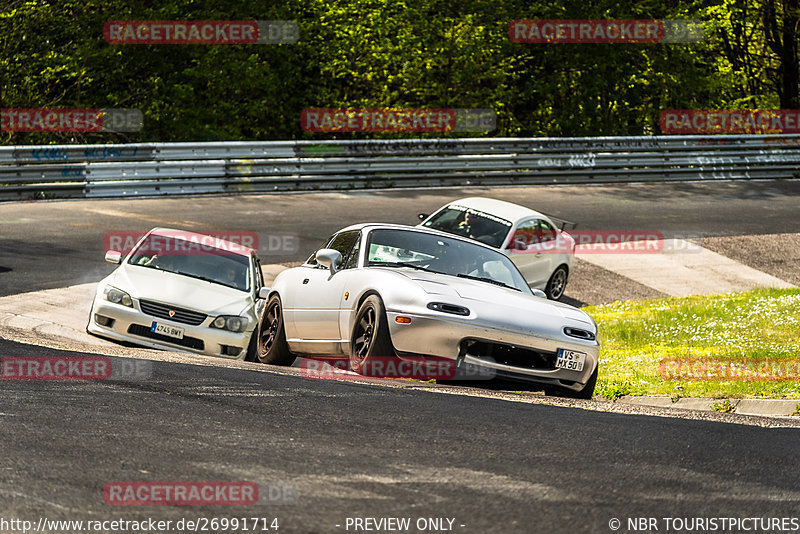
[
  {"x": 404, "y": 264},
  {"x": 206, "y": 279},
  {"x": 486, "y": 279}
]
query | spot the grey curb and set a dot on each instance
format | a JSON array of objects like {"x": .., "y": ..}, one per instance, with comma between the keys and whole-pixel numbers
[{"x": 765, "y": 407}]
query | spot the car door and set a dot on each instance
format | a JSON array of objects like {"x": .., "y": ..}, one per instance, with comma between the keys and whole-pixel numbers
[
  {"x": 532, "y": 250},
  {"x": 318, "y": 296}
]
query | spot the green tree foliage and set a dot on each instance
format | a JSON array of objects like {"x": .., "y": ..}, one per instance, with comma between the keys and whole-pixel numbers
[{"x": 391, "y": 53}]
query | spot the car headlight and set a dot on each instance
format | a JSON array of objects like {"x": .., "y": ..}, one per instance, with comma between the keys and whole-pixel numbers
[
  {"x": 234, "y": 323},
  {"x": 448, "y": 308},
  {"x": 579, "y": 333},
  {"x": 117, "y": 296}
]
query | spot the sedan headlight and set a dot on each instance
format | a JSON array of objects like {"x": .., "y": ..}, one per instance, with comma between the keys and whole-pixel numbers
[
  {"x": 234, "y": 323},
  {"x": 117, "y": 296}
]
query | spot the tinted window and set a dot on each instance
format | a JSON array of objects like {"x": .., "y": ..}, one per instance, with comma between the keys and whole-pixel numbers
[
  {"x": 352, "y": 259},
  {"x": 342, "y": 242},
  {"x": 472, "y": 223},
  {"x": 179, "y": 256}
]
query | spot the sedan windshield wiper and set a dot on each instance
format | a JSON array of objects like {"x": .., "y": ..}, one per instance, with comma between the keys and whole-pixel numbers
[
  {"x": 486, "y": 279},
  {"x": 404, "y": 264},
  {"x": 206, "y": 279}
]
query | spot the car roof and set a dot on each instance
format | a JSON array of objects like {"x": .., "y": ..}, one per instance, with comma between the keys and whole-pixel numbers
[
  {"x": 186, "y": 235},
  {"x": 420, "y": 229},
  {"x": 499, "y": 208}
]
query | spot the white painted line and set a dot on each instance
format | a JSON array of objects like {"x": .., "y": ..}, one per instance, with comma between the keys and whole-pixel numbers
[{"x": 682, "y": 269}]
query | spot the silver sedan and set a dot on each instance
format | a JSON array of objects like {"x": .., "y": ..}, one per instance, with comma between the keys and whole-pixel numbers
[{"x": 391, "y": 293}]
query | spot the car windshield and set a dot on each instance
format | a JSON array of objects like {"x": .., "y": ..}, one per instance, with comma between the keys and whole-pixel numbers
[
  {"x": 440, "y": 254},
  {"x": 175, "y": 255},
  {"x": 469, "y": 222}
]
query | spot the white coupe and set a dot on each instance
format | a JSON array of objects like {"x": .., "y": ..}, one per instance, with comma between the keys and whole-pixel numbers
[
  {"x": 541, "y": 250},
  {"x": 378, "y": 294}
]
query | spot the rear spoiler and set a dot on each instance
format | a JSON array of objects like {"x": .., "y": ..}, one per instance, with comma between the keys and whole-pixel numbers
[{"x": 563, "y": 223}]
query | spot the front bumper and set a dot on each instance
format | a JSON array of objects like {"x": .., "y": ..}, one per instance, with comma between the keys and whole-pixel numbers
[
  {"x": 450, "y": 338},
  {"x": 132, "y": 325}
]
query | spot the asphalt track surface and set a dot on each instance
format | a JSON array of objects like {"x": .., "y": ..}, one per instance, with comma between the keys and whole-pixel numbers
[
  {"x": 355, "y": 450},
  {"x": 365, "y": 450}
]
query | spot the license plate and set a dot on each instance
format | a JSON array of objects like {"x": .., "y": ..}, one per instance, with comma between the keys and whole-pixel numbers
[
  {"x": 571, "y": 360},
  {"x": 167, "y": 330}
]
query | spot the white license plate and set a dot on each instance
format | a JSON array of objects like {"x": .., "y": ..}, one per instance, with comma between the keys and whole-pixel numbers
[
  {"x": 167, "y": 330},
  {"x": 570, "y": 359}
]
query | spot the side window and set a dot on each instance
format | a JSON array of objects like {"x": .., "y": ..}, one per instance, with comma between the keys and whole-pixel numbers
[
  {"x": 258, "y": 274},
  {"x": 526, "y": 234},
  {"x": 352, "y": 260},
  {"x": 344, "y": 243},
  {"x": 547, "y": 232}
]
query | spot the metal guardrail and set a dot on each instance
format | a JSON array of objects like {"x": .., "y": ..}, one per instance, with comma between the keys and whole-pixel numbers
[{"x": 154, "y": 169}]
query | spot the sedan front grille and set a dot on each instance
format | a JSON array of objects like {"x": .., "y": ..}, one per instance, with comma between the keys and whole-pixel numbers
[
  {"x": 511, "y": 355},
  {"x": 188, "y": 342},
  {"x": 180, "y": 315}
]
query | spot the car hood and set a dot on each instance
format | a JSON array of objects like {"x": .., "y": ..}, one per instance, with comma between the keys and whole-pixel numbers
[
  {"x": 493, "y": 296},
  {"x": 182, "y": 291}
]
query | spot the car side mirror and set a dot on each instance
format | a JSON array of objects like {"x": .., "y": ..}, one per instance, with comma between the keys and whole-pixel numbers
[
  {"x": 422, "y": 216},
  {"x": 327, "y": 257},
  {"x": 263, "y": 292},
  {"x": 539, "y": 293},
  {"x": 114, "y": 256}
]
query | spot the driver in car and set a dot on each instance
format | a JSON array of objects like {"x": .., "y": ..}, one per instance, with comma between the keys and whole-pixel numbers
[{"x": 465, "y": 226}]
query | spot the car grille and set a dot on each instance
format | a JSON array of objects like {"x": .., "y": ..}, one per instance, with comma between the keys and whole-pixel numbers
[
  {"x": 188, "y": 342},
  {"x": 511, "y": 355},
  {"x": 181, "y": 315}
]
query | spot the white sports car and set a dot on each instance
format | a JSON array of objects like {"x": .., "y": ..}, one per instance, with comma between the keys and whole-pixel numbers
[
  {"x": 380, "y": 291},
  {"x": 543, "y": 252},
  {"x": 182, "y": 291}
]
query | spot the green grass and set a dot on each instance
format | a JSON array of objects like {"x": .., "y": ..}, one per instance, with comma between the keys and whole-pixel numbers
[
  {"x": 636, "y": 335},
  {"x": 724, "y": 406}
]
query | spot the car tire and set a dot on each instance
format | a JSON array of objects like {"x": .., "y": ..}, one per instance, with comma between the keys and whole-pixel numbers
[
  {"x": 557, "y": 283},
  {"x": 370, "y": 340},
  {"x": 272, "y": 346},
  {"x": 585, "y": 393}
]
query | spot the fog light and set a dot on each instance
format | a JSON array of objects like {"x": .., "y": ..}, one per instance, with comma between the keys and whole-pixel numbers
[
  {"x": 102, "y": 320},
  {"x": 231, "y": 351}
]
